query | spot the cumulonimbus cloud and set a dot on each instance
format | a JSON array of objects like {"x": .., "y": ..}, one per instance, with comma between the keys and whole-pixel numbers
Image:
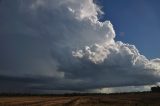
[{"x": 83, "y": 49}]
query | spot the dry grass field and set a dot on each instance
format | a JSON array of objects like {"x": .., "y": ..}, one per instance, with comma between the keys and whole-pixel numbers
[{"x": 129, "y": 99}]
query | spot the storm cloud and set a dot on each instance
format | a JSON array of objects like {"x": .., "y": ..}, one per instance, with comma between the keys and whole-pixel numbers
[{"x": 62, "y": 45}]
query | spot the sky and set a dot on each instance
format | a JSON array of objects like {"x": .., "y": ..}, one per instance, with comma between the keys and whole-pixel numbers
[
  {"x": 59, "y": 46},
  {"x": 135, "y": 22}
]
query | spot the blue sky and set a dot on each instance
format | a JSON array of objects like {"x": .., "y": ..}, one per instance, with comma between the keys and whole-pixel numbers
[{"x": 135, "y": 22}]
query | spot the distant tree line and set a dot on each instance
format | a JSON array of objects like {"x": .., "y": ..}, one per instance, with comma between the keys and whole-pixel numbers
[
  {"x": 65, "y": 94},
  {"x": 155, "y": 89}
]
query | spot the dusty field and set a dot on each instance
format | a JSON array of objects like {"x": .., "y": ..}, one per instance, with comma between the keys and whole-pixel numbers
[{"x": 142, "y": 99}]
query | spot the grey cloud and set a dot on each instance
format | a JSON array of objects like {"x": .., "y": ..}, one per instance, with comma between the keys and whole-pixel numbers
[{"x": 61, "y": 45}]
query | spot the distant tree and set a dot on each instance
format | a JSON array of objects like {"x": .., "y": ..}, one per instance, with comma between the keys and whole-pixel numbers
[{"x": 155, "y": 89}]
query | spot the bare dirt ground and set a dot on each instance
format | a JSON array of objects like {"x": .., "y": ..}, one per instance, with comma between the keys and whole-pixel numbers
[{"x": 141, "y": 99}]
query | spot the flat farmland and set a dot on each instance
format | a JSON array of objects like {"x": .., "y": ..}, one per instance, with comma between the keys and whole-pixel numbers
[{"x": 128, "y": 99}]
